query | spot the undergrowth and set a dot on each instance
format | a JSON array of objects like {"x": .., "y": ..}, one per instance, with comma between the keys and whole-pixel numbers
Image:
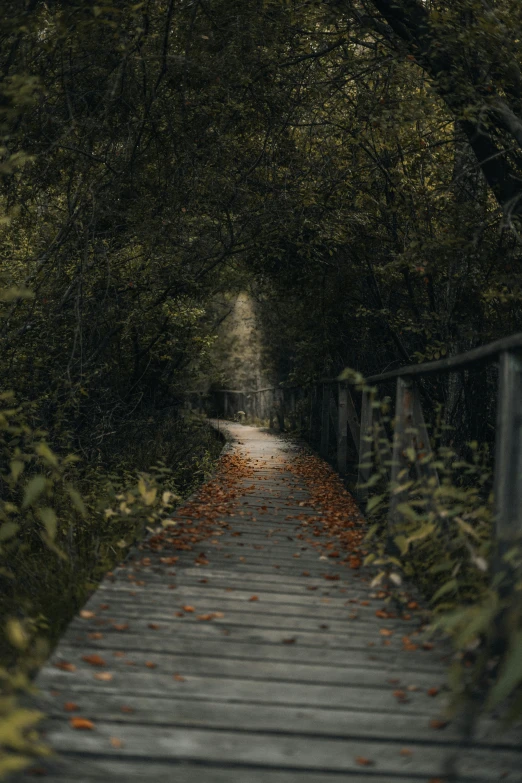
[
  {"x": 435, "y": 524},
  {"x": 64, "y": 523}
]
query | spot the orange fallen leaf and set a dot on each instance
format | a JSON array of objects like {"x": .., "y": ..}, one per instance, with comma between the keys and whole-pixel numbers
[
  {"x": 70, "y": 706},
  {"x": 189, "y": 609},
  {"x": 81, "y": 723},
  {"x": 103, "y": 606},
  {"x": 406, "y": 752},
  {"x": 95, "y": 636},
  {"x": 120, "y": 626},
  {"x": 401, "y": 696},
  {"x": 386, "y": 632},
  {"x": 128, "y": 710},
  {"x": 103, "y": 676},
  {"x": 438, "y": 724},
  {"x": 178, "y": 677},
  {"x": 150, "y": 664},
  {"x": 153, "y": 626},
  {"x": 363, "y": 762},
  {"x": 65, "y": 666},
  {"x": 116, "y": 742},
  {"x": 253, "y": 598},
  {"x": 86, "y": 614},
  {"x": 433, "y": 691},
  {"x": 93, "y": 660}
]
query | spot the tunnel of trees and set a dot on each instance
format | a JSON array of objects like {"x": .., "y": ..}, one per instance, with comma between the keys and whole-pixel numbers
[{"x": 354, "y": 166}]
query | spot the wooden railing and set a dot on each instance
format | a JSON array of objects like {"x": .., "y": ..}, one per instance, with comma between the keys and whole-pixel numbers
[{"x": 326, "y": 412}]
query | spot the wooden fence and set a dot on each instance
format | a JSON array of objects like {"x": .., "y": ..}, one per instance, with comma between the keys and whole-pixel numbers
[{"x": 328, "y": 415}]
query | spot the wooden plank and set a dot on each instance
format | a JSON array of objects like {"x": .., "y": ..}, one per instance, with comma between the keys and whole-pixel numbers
[
  {"x": 277, "y": 751},
  {"x": 295, "y": 720},
  {"x": 154, "y": 683},
  {"x": 100, "y": 769}
]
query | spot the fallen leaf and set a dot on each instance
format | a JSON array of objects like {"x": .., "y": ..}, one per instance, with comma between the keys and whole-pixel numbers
[
  {"x": 291, "y": 640},
  {"x": 178, "y": 677},
  {"x": 433, "y": 691},
  {"x": 103, "y": 676},
  {"x": 363, "y": 762},
  {"x": 70, "y": 706},
  {"x": 126, "y": 709},
  {"x": 188, "y": 609},
  {"x": 406, "y": 752},
  {"x": 438, "y": 724},
  {"x": 93, "y": 660},
  {"x": 253, "y": 598},
  {"x": 95, "y": 636},
  {"x": 65, "y": 666},
  {"x": 86, "y": 614},
  {"x": 386, "y": 632},
  {"x": 150, "y": 664},
  {"x": 116, "y": 742},
  {"x": 120, "y": 626},
  {"x": 81, "y": 723},
  {"x": 153, "y": 626}
]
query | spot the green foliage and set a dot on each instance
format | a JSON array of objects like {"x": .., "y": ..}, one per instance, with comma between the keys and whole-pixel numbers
[{"x": 438, "y": 529}]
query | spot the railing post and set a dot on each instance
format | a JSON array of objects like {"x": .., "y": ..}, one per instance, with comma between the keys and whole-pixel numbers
[
  {"x": 325, "y": 421},
  {"x": 403, "y": 421},
  {"x": 365, "y": 443},
  {"x": 342, "y": 428},
  {"x": 272, "y": 406},
  {"x": 508, "y": 455},
  {"x": 280, "y": 410},
  {"x": 353, "y": 420}
]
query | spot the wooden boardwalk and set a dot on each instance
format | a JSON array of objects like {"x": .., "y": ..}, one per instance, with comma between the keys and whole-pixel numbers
[{"x": 237, "y": 668}]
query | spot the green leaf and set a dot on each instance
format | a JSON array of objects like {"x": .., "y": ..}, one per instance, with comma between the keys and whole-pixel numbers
[
  {"x": 50, "y": 522},
  {"x": 17, "y": 468},
  {"x": 33, "y": 490},
  {"x": 77, "y": 500},
  {"x": 14, "y": 293},
  {"x": 374, "y": 502},
  {"x": 43, "y": 451},
  {"x": 422, "y": 532},
  {"x": 402, "y": 544},
  {"x": 8, "y": 530},
  {"x": 448, "y": 587},
  {"x": 511, "y": 672}
]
